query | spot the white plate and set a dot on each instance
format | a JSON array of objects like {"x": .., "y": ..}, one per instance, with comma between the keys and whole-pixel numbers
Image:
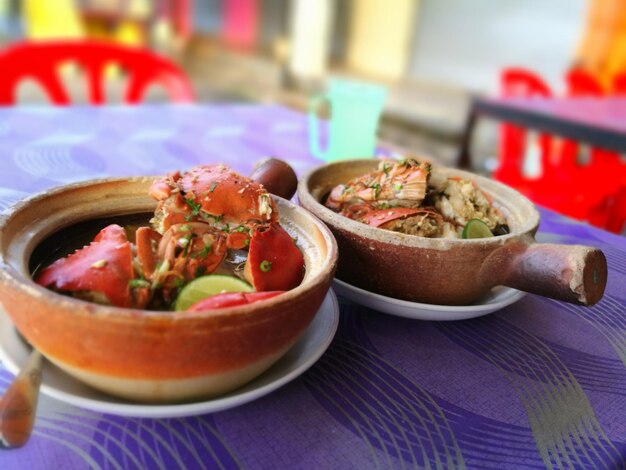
[
  {"x": 498, "y": 298},
  {"x": 57, "y": 384}
]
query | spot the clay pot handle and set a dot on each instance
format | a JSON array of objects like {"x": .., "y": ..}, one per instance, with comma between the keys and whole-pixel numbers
[
  {"x": 573, "y": 273},
  {"x": 277, "y": 177}
]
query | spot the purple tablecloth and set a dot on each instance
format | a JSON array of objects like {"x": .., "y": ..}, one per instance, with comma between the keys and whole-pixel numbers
[{"x": 539, "y": 384}]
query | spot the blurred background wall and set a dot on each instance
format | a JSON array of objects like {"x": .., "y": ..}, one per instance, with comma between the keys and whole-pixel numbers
[
  {"x": 468, "y": 42},
  {"x": 433, "y": 55}
]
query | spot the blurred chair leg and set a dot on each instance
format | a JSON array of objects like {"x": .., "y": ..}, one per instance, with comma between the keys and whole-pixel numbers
[
  {"x": 617, "y": 217},
  {"x": 464, "y": 159}
]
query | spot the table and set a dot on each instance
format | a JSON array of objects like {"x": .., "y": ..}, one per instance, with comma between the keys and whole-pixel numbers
[
  {"x": 597, "y": 122},
  {"x": 538, "y": 384}
]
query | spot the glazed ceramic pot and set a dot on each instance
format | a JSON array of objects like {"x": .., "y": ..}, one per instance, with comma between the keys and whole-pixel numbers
[
  {"x": 454, "y": 271},
  {"x": 144, "y": 355}
]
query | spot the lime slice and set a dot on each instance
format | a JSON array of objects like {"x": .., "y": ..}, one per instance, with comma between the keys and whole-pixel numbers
[
  {"x": 476, "y": 228},
  {"x": 206, "y": 286}
]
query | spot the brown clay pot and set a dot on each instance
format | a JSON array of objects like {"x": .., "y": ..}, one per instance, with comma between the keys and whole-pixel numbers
[
  {"x": 454, "y": 271},
  {"x": 147, "y": 355}
]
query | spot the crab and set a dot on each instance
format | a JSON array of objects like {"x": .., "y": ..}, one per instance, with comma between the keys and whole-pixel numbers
[
  {"x": 401, "y": 196},
  {"x": 393, "y": 192},
  {"x": 214, "y": 195},
  {"x": 201, "y": 215}
]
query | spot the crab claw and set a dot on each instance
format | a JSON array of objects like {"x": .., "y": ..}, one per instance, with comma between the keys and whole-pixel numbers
[
  {"x": 231, "y": 299},
  {"x": 274, "y": 261},
  {"x": 101, "y": 271}
]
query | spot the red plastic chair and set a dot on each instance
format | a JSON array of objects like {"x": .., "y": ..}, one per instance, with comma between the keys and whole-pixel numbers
[
  {"x": 579, "y": 84},
  {"x": 617, "y": 222},
  {"x": 521, "y": 83},
  {"x": 585, "y": 192},
  {"x": 600, "y": 175},
  {"x": 41, "y": 60}
]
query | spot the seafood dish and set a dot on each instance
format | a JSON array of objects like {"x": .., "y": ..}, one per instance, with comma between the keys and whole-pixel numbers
[
  {"x": 208, "y": 220},
  {"x": 405, "y": 196}
]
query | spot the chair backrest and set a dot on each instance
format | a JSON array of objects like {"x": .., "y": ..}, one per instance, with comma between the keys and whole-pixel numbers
[
  {"x": 520, "y": 83},
  {"x": 41, "y": 60},
  {"x": 619, "y": 84},
  {"x": 581, "y": 83}
]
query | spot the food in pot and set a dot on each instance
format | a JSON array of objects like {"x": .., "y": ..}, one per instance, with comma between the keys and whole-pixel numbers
[
  {"x": 404, "y": 196},
  {"x": 208, "y": 220}
]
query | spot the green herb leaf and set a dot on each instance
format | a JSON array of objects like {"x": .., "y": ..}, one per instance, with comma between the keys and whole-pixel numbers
[
  {"x": 377, "y": 189},
  {"x": 135, "y": 283},
  {"x": 213, "y": 186},
  {"x": 195, "y": 207},
  {"x": 204, "y": 252}
]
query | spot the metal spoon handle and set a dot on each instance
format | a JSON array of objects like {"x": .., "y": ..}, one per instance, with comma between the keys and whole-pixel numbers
[{"x": 18, "y": 405}]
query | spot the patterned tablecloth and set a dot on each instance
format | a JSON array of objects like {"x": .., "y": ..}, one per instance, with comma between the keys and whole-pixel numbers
[{"x": 538, "y": 384}]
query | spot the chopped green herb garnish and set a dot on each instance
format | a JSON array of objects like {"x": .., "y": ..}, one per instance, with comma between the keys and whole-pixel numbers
[
  {"x": 241, "y": 229},
  {"x": 398, "y": 186},
  {"x": 204, "y": 252},
  {"x": 186, "y": 244},
  {"x": 265, "y": 265},
  {"x": 185, "y": 228},
  {"x": 386, "y": 168},
  {"x": 213, "y": 186},
  {"x": 179, "y": 282},
  {"x": 206, "y": 215},
  {"x": 377, "y": 189},
  {"x": 134, "y": 283},
  {"x": 195, "y": 207},
  {"x": 200, "y": 270}
]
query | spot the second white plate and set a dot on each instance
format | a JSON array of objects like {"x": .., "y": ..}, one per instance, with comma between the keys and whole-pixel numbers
[
  {"x": 498, "y": 298},
  {"x": 57, "y": 384}
]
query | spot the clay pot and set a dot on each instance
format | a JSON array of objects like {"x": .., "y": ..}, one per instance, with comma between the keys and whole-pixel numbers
[
  {"x": 454, "y": 271},
  {"x": 140, "y": 355}
]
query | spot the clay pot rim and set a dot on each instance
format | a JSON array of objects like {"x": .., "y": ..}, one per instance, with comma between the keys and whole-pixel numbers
[
  {"x": 16, "y": 280},
  {"x": 505, "y": 197}
]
